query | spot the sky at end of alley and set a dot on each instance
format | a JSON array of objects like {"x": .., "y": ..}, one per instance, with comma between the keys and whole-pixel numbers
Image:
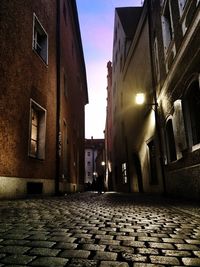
[{"x": 96, "y": 19}]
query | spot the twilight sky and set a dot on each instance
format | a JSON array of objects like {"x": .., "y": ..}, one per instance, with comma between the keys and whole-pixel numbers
[{"x": 96, "y": 18}]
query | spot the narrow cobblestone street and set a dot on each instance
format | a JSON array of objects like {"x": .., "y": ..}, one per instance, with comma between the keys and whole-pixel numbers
[{"x": 108, "y": 230}]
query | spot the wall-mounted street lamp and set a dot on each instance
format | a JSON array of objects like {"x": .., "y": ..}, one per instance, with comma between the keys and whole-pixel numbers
[{"x": 140, "y": 99}]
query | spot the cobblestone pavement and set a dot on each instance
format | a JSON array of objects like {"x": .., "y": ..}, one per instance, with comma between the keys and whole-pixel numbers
[{"x": 108, "y": 230}]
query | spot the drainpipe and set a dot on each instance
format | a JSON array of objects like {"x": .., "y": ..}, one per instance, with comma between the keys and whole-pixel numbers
[
  {"x": 58, "y": 130},
  {"x": 157, "y": 120}
]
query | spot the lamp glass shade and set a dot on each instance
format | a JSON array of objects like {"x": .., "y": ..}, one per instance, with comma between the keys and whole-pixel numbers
[{"x": 139, "y": 98}]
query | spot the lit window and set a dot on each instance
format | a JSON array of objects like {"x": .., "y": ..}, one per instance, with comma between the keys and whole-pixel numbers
[
  {"x": 37, "y": 131},
  {"x": 40, "y": 39}
]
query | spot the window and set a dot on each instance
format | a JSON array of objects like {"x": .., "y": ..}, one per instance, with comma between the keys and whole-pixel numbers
[
  {"x": 156, "y": 56},
  {"x": 167, "y": 25},
  {"x": 170, "y": 142},
  {"x": 181, "y": 4},
  {"x": 124, "y": 173},
  {"x": 37, "y": 131},
  {"x": 40, "y": 40},
  {"x": 65, "y": 12},
  {"x": 88, "y": 153},
  {"x": 65, "y": 86},
  {"x": 152, "y": 163},
  {"x": 192, "y": 113},
  {"x": 89, "y": 163}
]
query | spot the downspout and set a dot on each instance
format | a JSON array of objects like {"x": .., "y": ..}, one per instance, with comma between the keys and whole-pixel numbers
[
  {"x": 58, "y": 130},
  {"x": 157, "y": 119}
]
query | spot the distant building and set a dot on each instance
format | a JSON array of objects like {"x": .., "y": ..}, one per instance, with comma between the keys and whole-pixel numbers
[
  {"x": 93, "y": 150},
  {"x": 110, "y": 181},
  {"x": 42, "y": 99}
]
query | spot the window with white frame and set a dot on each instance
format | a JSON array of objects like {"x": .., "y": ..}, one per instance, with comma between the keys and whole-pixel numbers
[
  {"x": 40, "y": 39},
  {"x": 37, "y": 131},
  {"x": 167, "y": 25}
]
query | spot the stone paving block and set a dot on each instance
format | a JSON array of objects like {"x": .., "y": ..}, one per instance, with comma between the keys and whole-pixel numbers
[
  {"x": 15, "y": 249},
  {"x": 15, "y": 236},
  {"x": 179, "y": 236},
  {"x": 15, "y": 259},
  {"x": 134, "y": 257},
  {"x": 191, "y": 261},
  {"x": 197, "y": 253},
  {"x": 41, "y": 244},
  {"x": 126, "y": 230},
  {"x": 133, "y": 243},
  {"x": 152, "y": 251},
  {"x": 49, "y": 262},
  {"x": 176, "y": 253},
  {"x": 97, "y": 232},
  {"x": 86, "y": 241},
  {"x": 161, "y": 245},
  {"x": 116, "y": 248},
  {"x": 104, "y": 237},
  {"x": 82, "y": 263},
  {"x": 107, "y": 256},
  {"x": 149, "y": 238},
  {"x": 164, "y": 260},
  {"x": 146, "y": 265},
  {"x": 14, "y": 242},
  {"x": 187, "y": 247},
  {"x": 159, "y": 235},
  {"x": 94, "y": 247},
  {"x": 75, "y": 254},
  {"x": 193, "y": 241},
  {"x": 88, "y": 236},
  {"x": 122, "y": 238},
  {"x": 65, "y": 245},
  {"x": 44, "y": 252},
  {"x": 109, "y": 242},
  {"x": 173, "y": 240},
  {"x": 59, "y": 238},
  {"x": 137, "y": 234},
  {"x": 116, "y": 233},
  {"x": 113, "y": 264}
]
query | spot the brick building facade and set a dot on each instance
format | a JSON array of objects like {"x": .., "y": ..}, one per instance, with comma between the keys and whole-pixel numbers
[{"x": 32, "y": 97}]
